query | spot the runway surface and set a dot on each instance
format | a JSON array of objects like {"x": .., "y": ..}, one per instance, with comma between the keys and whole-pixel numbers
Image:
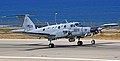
[{"x": 37, "y": 50}]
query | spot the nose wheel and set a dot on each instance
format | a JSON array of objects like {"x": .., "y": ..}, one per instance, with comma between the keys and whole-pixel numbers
[{"x": 93, "y": 42}]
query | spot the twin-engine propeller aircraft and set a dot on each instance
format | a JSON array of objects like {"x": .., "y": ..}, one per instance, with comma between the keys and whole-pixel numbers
[{"x": 52, "y": 32}]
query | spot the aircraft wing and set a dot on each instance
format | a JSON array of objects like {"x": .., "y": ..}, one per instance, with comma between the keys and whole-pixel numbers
[
  {"x": 46, "y": 35},
  {"x": 32, "y": 33}
]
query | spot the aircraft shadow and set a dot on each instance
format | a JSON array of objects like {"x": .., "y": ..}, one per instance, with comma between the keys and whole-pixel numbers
[
  {"x": 56, "y": 46},
  {"x": 41, "y": 46}
]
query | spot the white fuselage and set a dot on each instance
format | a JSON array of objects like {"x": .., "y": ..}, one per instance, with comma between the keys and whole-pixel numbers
[{"x": 61, "y": 30}]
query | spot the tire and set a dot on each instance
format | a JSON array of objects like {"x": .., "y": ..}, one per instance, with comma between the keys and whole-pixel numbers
[
  {"x": 79, "y": 43},
  {"x": 93, "y": 42},
  {"x": 51, "y": 45},
  {"x": 71, "y": 39}
]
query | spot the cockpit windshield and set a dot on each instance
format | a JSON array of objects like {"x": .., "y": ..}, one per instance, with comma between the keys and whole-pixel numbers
[{"x": 77, "y": 24}]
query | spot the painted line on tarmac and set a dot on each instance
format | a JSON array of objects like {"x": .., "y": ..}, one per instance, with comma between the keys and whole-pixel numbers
[{"x": 51, "y": 58}]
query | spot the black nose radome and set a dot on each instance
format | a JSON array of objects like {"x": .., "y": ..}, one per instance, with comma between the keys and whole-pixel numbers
[{"x": 95, "y": 29}]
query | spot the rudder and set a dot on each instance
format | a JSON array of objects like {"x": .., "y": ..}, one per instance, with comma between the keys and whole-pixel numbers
[{"x": 28, "y": 24}]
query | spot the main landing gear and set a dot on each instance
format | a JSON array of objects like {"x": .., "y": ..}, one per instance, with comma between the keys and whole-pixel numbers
[
  {"x": 51, "y": 45},
  {"x": 80, "y": 43}
]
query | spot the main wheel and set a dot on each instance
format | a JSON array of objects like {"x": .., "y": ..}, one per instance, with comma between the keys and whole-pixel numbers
[
  {"x": 79, "y": 43},
  {"x": 93, "y": 42},
  {"x": 51, "y": 45},
  {"x": 71, "y": 39}
]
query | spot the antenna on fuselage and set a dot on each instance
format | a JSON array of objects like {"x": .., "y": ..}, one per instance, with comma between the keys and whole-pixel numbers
[
  {"x": 48, "y": 24},
  {"x": 56, "y": 17},
  {"x": 66, "y": 21}
]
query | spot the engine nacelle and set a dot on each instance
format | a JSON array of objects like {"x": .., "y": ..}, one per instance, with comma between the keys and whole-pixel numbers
[{"x": 71, "y": 39}]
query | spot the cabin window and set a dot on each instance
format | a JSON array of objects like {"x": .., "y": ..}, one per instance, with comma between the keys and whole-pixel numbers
[
  {"x": 43, "y": 29},
  {"x": 48, "y": 27},
  {"x": 52, "y": 27},
  {"x": 85, "y": 29},
  {"x": 71, "y": 25},
  {"x": 61, "y": 25},
  {"x": 58, "y": 27},
  {"x": 64, "y": 26}
]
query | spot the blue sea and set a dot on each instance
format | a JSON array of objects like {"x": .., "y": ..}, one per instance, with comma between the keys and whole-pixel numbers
[{"x": 84, "y": 11}]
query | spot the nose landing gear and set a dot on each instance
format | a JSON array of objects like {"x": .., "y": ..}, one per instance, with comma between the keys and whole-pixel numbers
[
  {"x": 79, "y": 43},
  {"x": 93, "y": 41},
  {"x": 51, "y": 45}
]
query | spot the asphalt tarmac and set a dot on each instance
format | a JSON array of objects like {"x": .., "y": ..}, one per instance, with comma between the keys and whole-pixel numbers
[{"x": 38, "y": 50}]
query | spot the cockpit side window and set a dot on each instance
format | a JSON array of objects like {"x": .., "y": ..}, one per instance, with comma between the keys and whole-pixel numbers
[{"x": 76, "y": 24}]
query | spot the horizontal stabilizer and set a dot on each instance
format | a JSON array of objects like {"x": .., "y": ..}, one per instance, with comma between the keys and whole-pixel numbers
[
  {"x": 18, "y": 16},
  {"x": 27, "y": 23}
]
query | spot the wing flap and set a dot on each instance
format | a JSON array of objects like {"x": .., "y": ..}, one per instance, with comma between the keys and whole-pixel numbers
[{"x": 39, "y": 34}]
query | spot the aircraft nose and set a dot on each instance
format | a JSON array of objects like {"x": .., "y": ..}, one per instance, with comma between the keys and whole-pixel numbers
[
  {"x": 99, "y": 29},
  {"x": 95, "y": 30}
]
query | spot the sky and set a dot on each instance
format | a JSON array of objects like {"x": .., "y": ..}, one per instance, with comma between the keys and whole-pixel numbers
[{"x": 72, "y": 10}]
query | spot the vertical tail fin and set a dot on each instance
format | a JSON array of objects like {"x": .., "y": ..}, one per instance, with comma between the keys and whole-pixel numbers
[{"x": 28, "y": 24}]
